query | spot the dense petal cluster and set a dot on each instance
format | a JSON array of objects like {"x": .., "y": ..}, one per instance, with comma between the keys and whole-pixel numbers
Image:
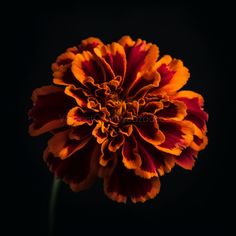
[{"x": 116, "y": 113}]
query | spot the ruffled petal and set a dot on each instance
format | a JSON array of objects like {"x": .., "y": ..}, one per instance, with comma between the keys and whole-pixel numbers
[
  {"x": 195, "y": 113},
  {"x": 77, "y": 116},
  {"x": 140, "y": 57},
  {"x": 86, "y": 65},
  {"x": 187, "y": 158},
  {"x": 174, "y": 75},
  {"x": 89, "y": 44},
  {"x": 79, "y": 170},
  {"x": 131, "y": 157},
  {"x": 147, "y": 127},
  {"x": 62, "y": 74},
  {"x": 153, "y": 161},
  {"x": 123, "y": 183},
  {"x": 113, "y": 58},
  {"x": 174, "y": 110},
  {"x": 49, "y": 111},
  {"x": 100, "y": 133},
  {"x": 199, "y": 144},
  {"x": 106, "y": 155},
  {"x": 79, "y": 94},
  {"x": 178, "y": 135},
  {"x": 116, "y": 142},
  {"x": 62, "y": 146}
]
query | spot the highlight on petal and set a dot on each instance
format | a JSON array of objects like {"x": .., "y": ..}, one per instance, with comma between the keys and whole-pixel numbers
[
  {"x": 49, "y": 111},
  {"x": 178, "y": 135}
]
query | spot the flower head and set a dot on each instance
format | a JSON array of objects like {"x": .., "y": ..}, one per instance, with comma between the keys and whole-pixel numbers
[{"x": 116, "y": 113}]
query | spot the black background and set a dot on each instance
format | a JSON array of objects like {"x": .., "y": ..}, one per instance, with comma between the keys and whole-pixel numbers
[{"x": 189, "y": 202}]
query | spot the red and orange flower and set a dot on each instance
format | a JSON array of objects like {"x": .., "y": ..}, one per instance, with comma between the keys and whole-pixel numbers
[{"x": 117, "y": 113}]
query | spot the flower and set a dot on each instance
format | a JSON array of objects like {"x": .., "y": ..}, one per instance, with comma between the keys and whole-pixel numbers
[{"x": 116, "y": 113}]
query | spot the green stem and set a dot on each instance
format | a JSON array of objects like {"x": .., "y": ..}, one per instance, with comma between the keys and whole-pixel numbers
[{"x": 52, "y": 206}]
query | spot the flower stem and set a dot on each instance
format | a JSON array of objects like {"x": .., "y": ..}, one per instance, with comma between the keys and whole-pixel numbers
[{"x": 52, "y": 206}]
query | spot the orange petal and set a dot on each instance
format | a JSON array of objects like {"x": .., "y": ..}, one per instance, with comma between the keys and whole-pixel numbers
[
  {"x": 178, "y": 135},
  {"x": 148, "y": 129},
  {"x": 186, "y": 159},
  {"x": 79, "y": 94},
  {"x": 60, "y": 145},
  {"x": 79, "y": 170},
  {"x": 195, "y": 113},
  {"x": 131, "y": 157},
  {"x": 99, "y": 133},
  {"x": 106, "y": 155},
  {"x": 86, "y": 65},
  {"x": 77, "y": 116},
  {"x": 116, "y": 142},
  {"x": 113, "y": 58},
  {"x": 49, "y": 111},
  {"x": 174, "y": 110},
  {"x": 140, "y": 58},
  {"x": 122, "y": 183},
  {"x": 173, "y": 75}
]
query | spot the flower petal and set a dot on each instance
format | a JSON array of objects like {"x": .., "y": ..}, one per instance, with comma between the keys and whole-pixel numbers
[
  {"x": 49, "y": 111},
  {"x": 174, "y": 110},
  {"x": 79, "y": 170},
  {"x": 113, "y": 58},
  {"x": 195, "y": 113},
  {"x": 123, "y": 183},
  {"x": 173, "y": 75},
  {"x": 147, "y": 128},
  {"x": 116, "y": 142},
  {"x": 199, "y": 144},
  {"x": 153, "y": 160},
  {"x": 140, "y": 57},
  {"x": 87, "y": 65},
  {"x": 106, "y": 155},
  {"x": 89, "y": 44},
  {"x": 60, "y": 145},
  {"x": 131, "y": 157},
  {"x": 77, "y": 116},
  {"x": 62, "y": 74},
  {"x": 99, "y": 133},
  {"x": 79, "y": 94},
  {"x": 178, "y": 135},
  {"x": 186, "y": 158}
]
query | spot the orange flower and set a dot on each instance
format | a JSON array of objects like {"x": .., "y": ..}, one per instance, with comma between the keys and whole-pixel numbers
[{"x": 117, "y": 113}]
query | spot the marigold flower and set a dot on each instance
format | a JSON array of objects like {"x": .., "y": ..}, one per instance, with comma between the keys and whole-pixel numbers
[{"x": 117, "y": 113}]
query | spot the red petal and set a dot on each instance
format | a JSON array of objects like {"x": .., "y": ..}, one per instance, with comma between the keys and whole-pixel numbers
[
  {"x": 79, "y": 170},
  {"x": 186, "y": 158},
  {"x": 123, "y": 183},
  {"x": 49, "y": 111}
]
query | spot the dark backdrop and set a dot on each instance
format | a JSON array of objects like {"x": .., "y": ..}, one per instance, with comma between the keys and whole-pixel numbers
[{"x": 189, "y": 202}]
